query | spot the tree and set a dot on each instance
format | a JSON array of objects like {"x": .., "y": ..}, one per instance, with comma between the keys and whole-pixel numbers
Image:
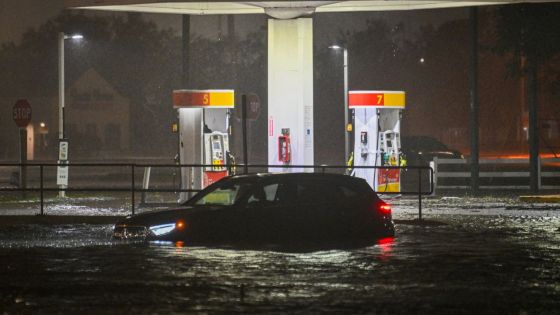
[
  {"x": 528, "y": 33},
  {"x": 528, "y": 30}
]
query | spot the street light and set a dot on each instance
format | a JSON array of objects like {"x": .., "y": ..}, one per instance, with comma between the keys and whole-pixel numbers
[
  {"x": 62, "y": 156},
  {"x": 346, "y": 131}
]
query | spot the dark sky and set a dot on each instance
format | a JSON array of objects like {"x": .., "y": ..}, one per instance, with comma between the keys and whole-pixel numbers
[{"x": 16, "y": 16}]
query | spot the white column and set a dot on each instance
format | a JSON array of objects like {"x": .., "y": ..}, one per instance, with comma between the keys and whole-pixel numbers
[
  {"x": 190, "y": 128},
  {"x": 290, "y": 89}
]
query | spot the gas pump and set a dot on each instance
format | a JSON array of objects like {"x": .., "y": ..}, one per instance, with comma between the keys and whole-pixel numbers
[
  {"x": 216, "y": 146},
  {"x": 390, "y": 144},
  {"x": 204, "y": 125},
  {"x": 377, "y": 115},
  {"x": 388, "y": 179}
]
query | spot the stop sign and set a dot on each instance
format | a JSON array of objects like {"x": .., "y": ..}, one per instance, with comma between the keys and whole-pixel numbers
[
  {"x": 253, "y": 107},
  {"x": 22, "y": 113}
]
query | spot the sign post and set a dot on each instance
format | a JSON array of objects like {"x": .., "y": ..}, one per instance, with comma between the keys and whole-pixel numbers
[
  {"x": 253, "y": 107},
  {"x": 250, "y": 109},
  {"x": 62, "y": 169},
  {"x": 22, "y": 116}
]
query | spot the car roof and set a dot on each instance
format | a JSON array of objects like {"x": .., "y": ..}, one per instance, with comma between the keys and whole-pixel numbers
[
  {"x": 298, "y": 175},
  {"x": 420, "y": 138}
]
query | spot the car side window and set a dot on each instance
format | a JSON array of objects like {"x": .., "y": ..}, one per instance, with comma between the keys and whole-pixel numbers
[
  {"x": 270, "y": 192},
  {"x": 347, "y": 192},
  {"x": 266, "y": 194},
  {"x": 315, "y": 191},
  {"x": 222, "y": 196},
  {"x": 286, "y": 193}
]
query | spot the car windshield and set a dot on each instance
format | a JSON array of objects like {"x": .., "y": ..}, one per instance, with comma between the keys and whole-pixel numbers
[{"x": 225, "y": 195}]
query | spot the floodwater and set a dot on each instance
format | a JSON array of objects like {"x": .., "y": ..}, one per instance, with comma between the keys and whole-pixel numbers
[{"x": 475, "y": 262}]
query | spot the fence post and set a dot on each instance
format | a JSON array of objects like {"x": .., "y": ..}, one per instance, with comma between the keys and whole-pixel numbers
[
  {"x": 434, "y": 166},
  {"x": 539, "y": 176},
  {"x": 41, "y": 189},
  {"x": 132, "y": 186},
  {"x": 419, "y": 194},
  {"x": 145, "y": 184},
  {"x": 244, "y": 129}
]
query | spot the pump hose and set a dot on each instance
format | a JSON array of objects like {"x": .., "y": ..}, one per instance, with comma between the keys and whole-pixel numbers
[
  {"x": 350, "y": 164},
  {"x": 386, "y": 182},
  {"x": 232, "y": 166}
]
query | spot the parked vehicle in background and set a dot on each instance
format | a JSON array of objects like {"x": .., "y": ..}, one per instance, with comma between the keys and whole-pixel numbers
[
  {"x": 261, "y": 209},
  {"x": 421, "y": 150}
]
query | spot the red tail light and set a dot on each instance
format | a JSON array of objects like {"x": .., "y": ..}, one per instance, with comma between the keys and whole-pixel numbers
[{"x": 383, "y": 208}]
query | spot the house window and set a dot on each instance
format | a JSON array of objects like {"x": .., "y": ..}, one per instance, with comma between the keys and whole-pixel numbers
[
  {"x": 92, "y": 139},
  {"x": 112, "y": 136}
]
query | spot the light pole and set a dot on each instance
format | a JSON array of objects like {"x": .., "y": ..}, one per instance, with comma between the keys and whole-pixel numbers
[
  {"x": 62, "y": 171},
  {"x": 346, "y": 129}
]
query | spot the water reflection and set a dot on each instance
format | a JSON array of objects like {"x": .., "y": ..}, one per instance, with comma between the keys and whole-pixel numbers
[
  {"x": 471, "y": 263},
  {"x": 386, "y": 244}
]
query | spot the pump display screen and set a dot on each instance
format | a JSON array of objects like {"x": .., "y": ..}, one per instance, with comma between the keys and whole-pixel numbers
[
  {"x": 216, "y": 146},
  {"x": 389, "y": 144}
]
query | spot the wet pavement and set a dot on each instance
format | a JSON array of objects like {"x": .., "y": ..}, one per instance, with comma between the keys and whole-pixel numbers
[{"x": 488, "y": 256}]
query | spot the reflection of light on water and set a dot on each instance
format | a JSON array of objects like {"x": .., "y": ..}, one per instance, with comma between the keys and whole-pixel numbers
[
  {"x": 386, "y": 245},
  {"x": 180, "y": 248}
]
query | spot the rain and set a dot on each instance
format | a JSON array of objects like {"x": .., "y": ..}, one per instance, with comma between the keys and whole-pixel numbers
[{"x": 476, "y": 213}]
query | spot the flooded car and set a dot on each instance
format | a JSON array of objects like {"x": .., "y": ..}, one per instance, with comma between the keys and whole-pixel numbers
[{"x": 293, "y": 208}]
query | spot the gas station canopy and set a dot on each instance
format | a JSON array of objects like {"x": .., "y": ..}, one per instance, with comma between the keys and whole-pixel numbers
[{"x": 276, "y": 9}]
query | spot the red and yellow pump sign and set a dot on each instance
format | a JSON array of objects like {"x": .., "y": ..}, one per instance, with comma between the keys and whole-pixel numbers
[
  {"x": 388, "y": 180},
  {"x": 203, "y": 99},
  {"x": 383, "y": 99}
]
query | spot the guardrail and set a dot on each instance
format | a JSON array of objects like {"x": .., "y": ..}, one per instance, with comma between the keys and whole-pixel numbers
[
  {"x": 512, "y": 169},
  {"x": 133, "y": 167}
]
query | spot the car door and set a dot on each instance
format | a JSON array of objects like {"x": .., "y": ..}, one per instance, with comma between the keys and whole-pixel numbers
[
  {"x": 352, "y": 206},
  {"x": 216, "y": 216},
  {"x": 266, "y": 211},
  {"x": 313, "y": 217}
]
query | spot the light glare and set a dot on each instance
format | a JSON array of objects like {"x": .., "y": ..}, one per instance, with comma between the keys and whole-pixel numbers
[{"x": 162, "y": 228}]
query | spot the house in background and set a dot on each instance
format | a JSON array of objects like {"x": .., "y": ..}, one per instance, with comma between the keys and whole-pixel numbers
[
  {"x": 97, "y": 118},
  {"x": 97, "y": 121}
]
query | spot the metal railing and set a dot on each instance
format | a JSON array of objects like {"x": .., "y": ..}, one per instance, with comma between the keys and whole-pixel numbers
[
  {"x": 511, "y": 169},
  {"x": 133, "y": 167}
]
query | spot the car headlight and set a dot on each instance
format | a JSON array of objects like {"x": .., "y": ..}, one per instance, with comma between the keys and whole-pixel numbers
[{"x": 162, "y": 229}]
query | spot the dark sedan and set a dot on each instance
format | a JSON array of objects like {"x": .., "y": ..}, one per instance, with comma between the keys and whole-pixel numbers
[
  {"x": 421, "y": 150},
  {"x": 289, "y": 208}
]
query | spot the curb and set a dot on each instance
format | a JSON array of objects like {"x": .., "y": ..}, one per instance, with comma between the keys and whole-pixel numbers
[
  {"x": 57, "y": 219},
  {"x": 544, "y": 198}
]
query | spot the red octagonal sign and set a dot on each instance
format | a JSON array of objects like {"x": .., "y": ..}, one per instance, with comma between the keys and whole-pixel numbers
[{"x": 22, "y": 113}]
